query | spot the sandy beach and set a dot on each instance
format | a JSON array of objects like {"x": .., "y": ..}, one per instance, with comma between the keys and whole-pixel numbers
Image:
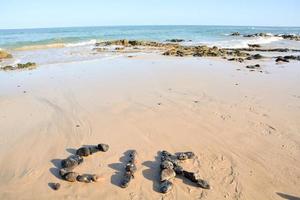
[{"x": 243, "y": 126}]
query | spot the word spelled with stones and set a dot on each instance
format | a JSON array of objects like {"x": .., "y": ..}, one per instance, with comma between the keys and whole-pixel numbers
[{"x": 130, "y": 169}]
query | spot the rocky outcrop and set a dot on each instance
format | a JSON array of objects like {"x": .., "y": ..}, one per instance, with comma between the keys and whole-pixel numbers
[
  {"x": 235, "y": 34},
  {"x": 175, "y": 40},
  {"x": 290, "y": 37},
  {"x": 29, "y": 66},
  {"x": 258, "y": 35},
  {"x": 287, "y": 58},
  {"x": 254, "y": 45},
  {"x": 4, "y": 55}
]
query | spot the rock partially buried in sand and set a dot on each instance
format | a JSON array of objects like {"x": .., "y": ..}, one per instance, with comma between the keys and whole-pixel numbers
[
  {"x": 195, "y": 178},
  {"x": 166, "y": 187},
  {"x": 72, "y": 162},
  {"x": 103, "y": 147},
  {"x": 55, "y": 186},
  {"x": 253, "y": 66}
]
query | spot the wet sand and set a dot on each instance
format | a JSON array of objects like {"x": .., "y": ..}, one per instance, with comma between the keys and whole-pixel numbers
[{"x": 244, "y": 127}]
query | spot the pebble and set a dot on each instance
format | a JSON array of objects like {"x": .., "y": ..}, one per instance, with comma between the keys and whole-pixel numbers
[
  {"x": 166, "y": 187},
  {"x": 167, "y": 174},
  {"x": 103, "y": 147},
  {"x": 83, "y": 151}
]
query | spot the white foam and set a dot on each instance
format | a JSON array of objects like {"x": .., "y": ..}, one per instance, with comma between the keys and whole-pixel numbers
[{"x": 85, "y": 43}]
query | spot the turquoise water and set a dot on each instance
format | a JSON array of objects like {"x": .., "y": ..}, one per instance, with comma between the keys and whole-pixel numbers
[{"x": 198, "y": 34}]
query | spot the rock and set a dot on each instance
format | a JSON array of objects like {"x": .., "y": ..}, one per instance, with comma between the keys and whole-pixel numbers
[
  {"x": 4, "y": 55},
  {"x": 253, "y": 66},
  {"x": 8, "y": 68},
  {"x": 185, "y": 155},
  {"x": 94, "y": 149},
  {"x": 55, "y": 186},
  {"x": 71, "y": 162},
  {"x": 175, "y": 40},
  {"x": 64, "y": 171},
  {"x": 167, "y": 174},
  {"x": 83, "y": 151},
  {"x": 126, "y": 179},
  {"x": 166, "y": 165},
  {"x": 133, "y": 156},
  {"x": 258, "y": 35},
  {"x": 281, "y": 59},
  {"x": 235, "y": 34},
  {"x": 95, "y": 178},
  {"x": 255, "y": 57},
  {"x": 196, "y": 179},
  {"x": 236, "y": 59},
  {"x": 103, "y": 147},
  {"x": 178, "y": 169},
  {"x": 254, "y": 45},
  {"x": 27, "y": 65},
  {"x": 166, "y": 187},
  {"x": 131, "y": 167},
  {"x": 71, "y": 176},
  {"x": 292, "y": 57},
  {"x": 119, "y": 48},
  {"x": 290, "y": 37},
  {"x": 84, "y": 178}
]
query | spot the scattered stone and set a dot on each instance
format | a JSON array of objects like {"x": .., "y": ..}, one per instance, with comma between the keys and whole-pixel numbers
[
  {"x": 185, "y": 155},
  {"x": 166, "y": 187},
  {"x": 196, "y": 179},
  {"x": 71, "y": 162},
  {"x": 253, "y": 66},
  {"x": 167, "y": 174},
  {"x": 235, "y": 34},
  {"x": 103, "y": 147},
  {"x": 55, "y": 186}
]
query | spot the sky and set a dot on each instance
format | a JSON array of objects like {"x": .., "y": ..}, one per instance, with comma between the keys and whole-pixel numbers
[{"x": 68, "y": 13}]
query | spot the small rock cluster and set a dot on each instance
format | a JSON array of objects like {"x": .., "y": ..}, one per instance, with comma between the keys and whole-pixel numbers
[
  {"x": 284, "y": 36},
  {"x": 69, "y": 164},
  {"x": 287, "y": 58},
  {"x": 170, "y": 167},
  {"x": 29, "y": 65},
  {"x": 130, "y": 169}
]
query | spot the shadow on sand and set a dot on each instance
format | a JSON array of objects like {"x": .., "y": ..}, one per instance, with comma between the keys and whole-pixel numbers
[
  {"x": 153, "y": 172},
  {"x": 288, "y": 197}
]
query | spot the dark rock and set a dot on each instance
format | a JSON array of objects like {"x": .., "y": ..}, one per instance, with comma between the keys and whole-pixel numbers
[
  {"x": 175, "y": 40},
  {"x": 64, "y": 171},
  {"x": 103, "y": 147},
  {"x": 178, "y": 169},
  {"x": 237, "y": 59},
  {"x": 196, "y": 179},
  {"x": 94, "y": 149},
  {"x": 131, "y": 167},
  {"x": 166, "y": 165},
  {"x": 258, "y": 35},
  {"x": 253, "y": 66},
  {"x": 8, "y": 68},
  {"x": 185, "y": 155},
  {"x": 71, "y": 176},
  {"x": 290, "y": 37},
  {"x": 292, "y": 57},
  {"x": 95, "y": 178},
  {"x": 55, "y": 186},
  {"x": 235, "y": 34},
  {"x": 255, "y": 57},
  {"x": 128, "y": 176},
  {"x": 166, "y": 187},
  {"x": 83, "y": 151},
  {"x": 71, "y": 162},
  {"x": 119, "y": 48},
  {"x": 26, "y": 65},
  {"x": 167, "y": 174},
  {"x": 84, "y": 178},
  {"x": 281, "y": 59},
  {"x": 254, "y": 45}
]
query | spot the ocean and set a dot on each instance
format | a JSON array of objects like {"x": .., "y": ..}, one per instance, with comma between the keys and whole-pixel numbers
[{"x": 23, "y": 42}]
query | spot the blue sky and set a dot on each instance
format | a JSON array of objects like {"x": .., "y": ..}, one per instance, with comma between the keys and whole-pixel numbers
[{"x": 66, "y": 13}]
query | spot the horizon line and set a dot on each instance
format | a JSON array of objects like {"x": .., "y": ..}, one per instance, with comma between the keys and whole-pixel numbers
[{"x": 91, "y": 26}]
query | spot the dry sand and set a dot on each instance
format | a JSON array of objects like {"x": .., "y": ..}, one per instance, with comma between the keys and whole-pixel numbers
[{"x": 244, "y": 126}]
